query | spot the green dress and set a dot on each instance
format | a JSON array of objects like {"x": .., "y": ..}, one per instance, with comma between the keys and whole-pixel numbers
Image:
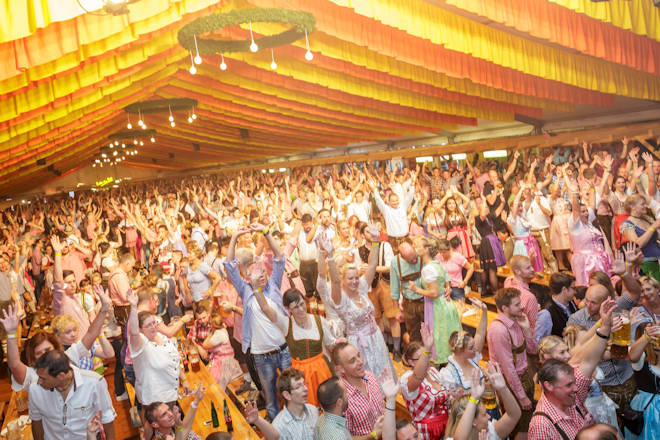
[{"x": 439, "y": 312}]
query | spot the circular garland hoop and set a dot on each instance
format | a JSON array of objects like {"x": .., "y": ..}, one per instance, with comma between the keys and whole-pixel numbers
[{"x": 301, "y": 21}]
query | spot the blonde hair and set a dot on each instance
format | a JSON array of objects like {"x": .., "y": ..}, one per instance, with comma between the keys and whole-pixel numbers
[
  {"x": 571, "y": 333},
  {"x": 459, "y": 340},
  {"x": 547, "y": 345},
  {"x": 346, "y": 267},
  {"x": 61, "y": 322},
  {"x": 652, "y": 281},
  {"x": 455, "y": 414}
]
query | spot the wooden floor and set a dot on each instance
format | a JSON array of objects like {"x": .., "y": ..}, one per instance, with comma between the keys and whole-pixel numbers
[{"x": 123, "y": 428}]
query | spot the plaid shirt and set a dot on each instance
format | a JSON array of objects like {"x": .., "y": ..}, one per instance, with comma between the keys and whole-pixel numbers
[
  {"x": 540, "y": 428},
  {"x": 425, "y": 402},
  {"x": 363, "y": 409},
  {"x": 199, "y": 332}
]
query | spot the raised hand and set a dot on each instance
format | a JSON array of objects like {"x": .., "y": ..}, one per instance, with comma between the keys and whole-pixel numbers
[
  {"x": 647, "y": 157},
  {"x": 57, "y": 245},
  {"x": 251, "y": 412},
  {"x": 257, "y": 227},
  {"x": 606, "y": 311},
  {"x": 373, "y": 231},
  {"x": 619, "y": 263},
  {"x": 390, "y": 388},
  {"x": 478, "y": 384},
  {"x": 132, "y": 297},
  {"x": 10, "y": 319},
  {"x": 199, "y": 393},
  {"x": 325, "y": 244},
  {"x": 427, "y": 337},
  {"x": 495, "y": 376}
]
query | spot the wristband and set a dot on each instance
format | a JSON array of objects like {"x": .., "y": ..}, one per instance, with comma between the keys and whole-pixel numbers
[
  {"x": 599, "y": 323},
  {"x": 375, "y": 243},
  {"x": 193, "y": 404},
  {"x": 11, "y": 335},
  {"x": 374, "y": 435},
  {"x": 267, "y": 231},
  {"x": 601, "y": 335},
  {"x": 425, "y": 351},
  {"x": 651, "y": 228},
  {"x": 473, "y": 400},
  {"x": 58, "y": 254},
  {"x": 390, "y": 409}
]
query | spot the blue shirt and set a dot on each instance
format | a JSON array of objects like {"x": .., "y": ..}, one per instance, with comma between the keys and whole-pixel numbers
[
  {"x": 544, "y": 321},
  {"x": 244, "y": 289}
]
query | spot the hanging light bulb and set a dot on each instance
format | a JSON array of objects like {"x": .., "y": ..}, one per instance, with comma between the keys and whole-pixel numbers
[
  {"x": 93, "y": 165},
  {"x": 223, "y": 66},
  {"x": 172, "y": 124},
  {"x": 116, "y": 142},
  {"x": 309, "y": 56},
  {"x": 114, "y": 153},
  {"x": 253, "y": 46},
  {"x": 141, "y": 143},
  {"x": 194, "y": 115},
  {"x": 123, "y": 145},
  {"x": 135, "y": 141},
  {"x": 193, "y": 69},
  {"x": 129, "y": 125},
  {"x": 273, "y": 64},
  {"x": 140, "y": 122},
  {"x": 190, "y": 119},
  {"x": 198, "y": 59},
  {"x": 171, "y": 118},
  {"x": 153, "y": 139}
]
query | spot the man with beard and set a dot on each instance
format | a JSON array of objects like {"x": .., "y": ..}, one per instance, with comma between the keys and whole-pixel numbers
[{"x": 405, "y": 267}]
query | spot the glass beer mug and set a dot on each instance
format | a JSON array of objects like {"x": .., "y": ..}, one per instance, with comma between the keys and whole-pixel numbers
[{"x": 622, "y": 336}]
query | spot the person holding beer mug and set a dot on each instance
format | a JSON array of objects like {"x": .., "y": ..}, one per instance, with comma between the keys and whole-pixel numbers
[
  {"x": 468, "y": 417},
  {"x": 645, "y": 357}
]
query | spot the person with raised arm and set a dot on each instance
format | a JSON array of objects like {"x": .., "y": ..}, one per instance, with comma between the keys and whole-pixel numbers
[
  {"x": 468, "y": 417},
  {"x": 423, "y": 389},
  {"x": 260, "y": 335},
  {"x": 354, "y": 307},
  {"x": 42, "y": 342},
  {"x": 590, "y": 247}
]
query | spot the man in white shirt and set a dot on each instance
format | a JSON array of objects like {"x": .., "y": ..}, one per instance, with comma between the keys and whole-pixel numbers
[
  {"x": 395, "y": 213},
  {"x": 298, "y": 418},
  {"x": 359, "y": 207},
  {"x": 308, "y": 254},
  {"x": 65, "y": 398},
  {"x": 538, "y": 215}
]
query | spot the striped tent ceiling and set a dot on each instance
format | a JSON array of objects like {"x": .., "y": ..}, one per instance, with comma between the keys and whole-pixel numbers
[{"x": 382, "y": 69}]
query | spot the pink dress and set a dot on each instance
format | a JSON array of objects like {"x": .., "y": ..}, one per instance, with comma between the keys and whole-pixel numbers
[
  {"x": 131, "y": 236},
  {"x": 222, "y": 365},
  {"x": 590, "y": 251},
  {"x": 560, "y": 239}
]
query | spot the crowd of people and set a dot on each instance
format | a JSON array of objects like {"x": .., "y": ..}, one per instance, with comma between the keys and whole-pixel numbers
[{"x": 307, "y": 287}]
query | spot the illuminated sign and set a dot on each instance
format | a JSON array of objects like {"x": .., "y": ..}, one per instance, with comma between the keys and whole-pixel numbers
[{"x": 104, "y": 182}]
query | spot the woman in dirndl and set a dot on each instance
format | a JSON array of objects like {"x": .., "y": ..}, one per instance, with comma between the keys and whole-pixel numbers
[
  {"x": 525, "y": 244},
  {"x": 491, "y": 254},
  {"x": 305, "y": 334}
]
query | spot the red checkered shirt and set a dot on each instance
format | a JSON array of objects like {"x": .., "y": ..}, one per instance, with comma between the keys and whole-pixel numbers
[
  {"x": 540, "y": 428},
  {"x": 425, "y": 402},
  {"x": 198, "y": 332},
  {"x": 363, "y": 409}
]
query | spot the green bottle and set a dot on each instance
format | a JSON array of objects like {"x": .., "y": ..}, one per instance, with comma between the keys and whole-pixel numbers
[{"x": 214, "y": 416}]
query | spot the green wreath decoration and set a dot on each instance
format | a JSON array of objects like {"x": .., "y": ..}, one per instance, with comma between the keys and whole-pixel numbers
[{"x": 301, "y": 21}]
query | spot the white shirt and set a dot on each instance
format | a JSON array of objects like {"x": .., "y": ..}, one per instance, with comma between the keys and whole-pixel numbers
[
  {"x": 361, "y": 210},
  {"x": 67, "y": 419},
  {"x": 306, "y": 251},
  {"x": 536, "y": 217},
  {"x": 396, "y": 220},
  {"x": 74, "y": 353},
  {"x": 156, "y": 371},
  {"x": 266, "y": 336},
  {"x": 311, "y": 333}
]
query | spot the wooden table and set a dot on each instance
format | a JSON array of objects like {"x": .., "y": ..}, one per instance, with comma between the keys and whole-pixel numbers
[
  {"x": 242, "y": 430},
  {"x": 473, "y": 320},
  {"x": 12, "y": 414}
]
